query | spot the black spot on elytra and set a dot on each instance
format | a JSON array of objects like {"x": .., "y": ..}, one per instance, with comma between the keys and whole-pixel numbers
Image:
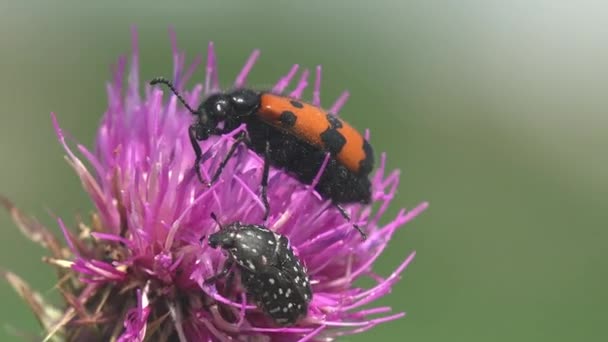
[
  {"x": 296, "y": 104},
  {"x": 288, "y": 119},
  {"x": 333, "y": 140},
  {"x": 334, "y": 122},
  {"x": 366, "y": 164}
]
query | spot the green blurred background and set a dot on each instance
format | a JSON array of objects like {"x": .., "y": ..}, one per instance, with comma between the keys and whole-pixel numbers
[{"x": 495, "y": 111}]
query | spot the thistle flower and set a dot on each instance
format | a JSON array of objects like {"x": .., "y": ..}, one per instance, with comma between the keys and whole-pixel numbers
[{"x": 136, "y": 269}]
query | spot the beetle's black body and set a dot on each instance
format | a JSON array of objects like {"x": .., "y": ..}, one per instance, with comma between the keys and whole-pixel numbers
[
  {"x": 280, "y": 147},
  {"x": 303, "y": 161},
  {"x": 270, "y": 271}
]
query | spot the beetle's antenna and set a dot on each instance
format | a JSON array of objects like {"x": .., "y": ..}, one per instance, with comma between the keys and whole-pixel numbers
[
  {"x": 216, "y": 221},
  {"x": 169, "y": 84}
]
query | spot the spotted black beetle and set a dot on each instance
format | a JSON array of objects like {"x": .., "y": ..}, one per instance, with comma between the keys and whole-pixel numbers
[{"x": 270, "y": 271}]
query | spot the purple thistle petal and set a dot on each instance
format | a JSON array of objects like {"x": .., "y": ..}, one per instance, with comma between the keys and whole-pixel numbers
[
  {"x": 284, "y": 81},
  {"x": 364, "y": 323},
  {"x": 215, "y": 332},
  {"x": 90, "y": 185},
  {"x": 112, "y": 237},
  {"x": 383, "y": 287},
  {"x": 133, "y": 82},
  {"x": 312, "y": 334},
  {"x": 282, "y": 330},
  {"x": 242, "y": 76},
  {"x": 317, "y": 178},
  {"x": 68, "y": 238},
  {"x": 136, "y": 321},
  {"x": 316, "y": 93},
  {"x": 188, "y": 74},
  {"x": 177, "y": 224},
  {"x": 177, "y": 60},
  {"x": 340, "y": 102},
  {"x": 302, "y": 84},
  {"x": 97, "y": 271},
  {"x": 211, "y": 77}
]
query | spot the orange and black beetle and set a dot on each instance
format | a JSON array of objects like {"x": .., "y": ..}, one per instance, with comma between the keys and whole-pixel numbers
[{"x": 290, "y": 134}]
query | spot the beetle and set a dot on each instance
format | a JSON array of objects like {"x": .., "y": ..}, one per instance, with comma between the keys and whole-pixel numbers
[
  {"x": 270, "y": 271},
  {"x": 289, "y": 134}
]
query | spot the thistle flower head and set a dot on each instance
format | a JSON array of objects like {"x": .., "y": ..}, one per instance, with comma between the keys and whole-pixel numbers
[{"x": 137, "y": 268}]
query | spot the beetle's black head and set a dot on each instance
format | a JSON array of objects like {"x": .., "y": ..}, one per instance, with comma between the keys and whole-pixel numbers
[
  {"x": 223, "y": 239},
  {"x": 215, "y": 109},
  {"x": 226, "y": 236},
  {"x": 228, "y": 108}
]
